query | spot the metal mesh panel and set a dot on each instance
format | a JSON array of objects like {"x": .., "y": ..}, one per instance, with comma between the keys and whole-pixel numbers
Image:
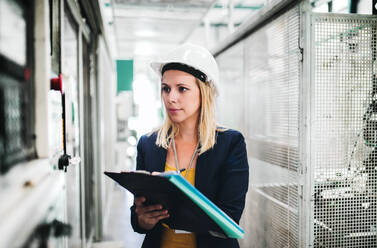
[
  {"x": 273, "y": 78},
  {"x": 344, "y": 155},
  {"x": 272, "y": 61},
  {"x": 231, "y": 85},
  {"x": 15, "y": 139}
]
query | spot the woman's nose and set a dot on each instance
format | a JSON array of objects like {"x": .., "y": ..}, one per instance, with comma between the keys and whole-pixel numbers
[{"x": 173, "y": 96}]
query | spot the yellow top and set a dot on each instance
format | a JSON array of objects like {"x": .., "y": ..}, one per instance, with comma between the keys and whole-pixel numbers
[{"x": 171, "y": 239}]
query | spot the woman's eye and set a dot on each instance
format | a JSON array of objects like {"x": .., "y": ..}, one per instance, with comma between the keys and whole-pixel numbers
[
  {"x": 165, "y": 89},
  {"x": 182, "y": 89}
]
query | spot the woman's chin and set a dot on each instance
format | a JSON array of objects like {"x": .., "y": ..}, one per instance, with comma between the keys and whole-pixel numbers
[{"x": 176, "y": 119}]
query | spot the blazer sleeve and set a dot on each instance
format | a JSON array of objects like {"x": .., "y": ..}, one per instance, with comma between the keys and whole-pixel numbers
[
  {"x": 234, "y": 179},
  {"x": 139, "y": 166}
]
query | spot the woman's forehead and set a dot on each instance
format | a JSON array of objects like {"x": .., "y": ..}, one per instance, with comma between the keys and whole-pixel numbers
[{"x": 177, "y": 77}]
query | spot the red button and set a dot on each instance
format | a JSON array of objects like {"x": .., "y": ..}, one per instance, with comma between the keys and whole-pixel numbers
[{"x": 57, "y": 83}]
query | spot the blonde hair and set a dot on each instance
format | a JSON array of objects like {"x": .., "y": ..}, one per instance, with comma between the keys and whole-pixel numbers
[{"x": 207, "y": 126}]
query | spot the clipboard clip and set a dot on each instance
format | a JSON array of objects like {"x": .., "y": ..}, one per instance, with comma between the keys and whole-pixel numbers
[{"x": 217, "y": 234}]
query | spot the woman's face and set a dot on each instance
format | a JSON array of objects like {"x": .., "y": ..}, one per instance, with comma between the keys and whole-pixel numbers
[{"x": 181, "y": 96}]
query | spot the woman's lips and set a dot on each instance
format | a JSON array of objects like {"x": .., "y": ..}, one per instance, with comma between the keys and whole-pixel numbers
[{"x": 173, "y": 111}]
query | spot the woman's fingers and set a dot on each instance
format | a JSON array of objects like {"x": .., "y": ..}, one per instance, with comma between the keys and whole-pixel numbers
[
  {"x": 155, "y": 214},
  {"x": 161, "y": 217},
  {"x": 152, "y": 219},
  {"x": 139, "y": 203},
  {"x": 149, "y": 219},
  {"x": 141, "y": 209},
  {"x": 152, "y": 208},
  {"x": 149, "y": 215}
]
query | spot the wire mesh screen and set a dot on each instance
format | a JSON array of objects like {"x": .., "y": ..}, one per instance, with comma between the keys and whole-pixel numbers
[
  {"x": 273, "y": 81},
  {"x": 272, "y": 76},
  {"x": 230, "y": 88},
  {"x": 344, "y": 131},
  {"x": 16, "y": 142}
]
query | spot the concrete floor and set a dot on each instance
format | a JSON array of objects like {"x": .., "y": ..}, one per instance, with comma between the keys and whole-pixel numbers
[{"x": 118, "y": 232}]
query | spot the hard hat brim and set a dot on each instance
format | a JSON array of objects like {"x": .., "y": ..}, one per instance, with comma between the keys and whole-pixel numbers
[{"x": 157, "y": 66}]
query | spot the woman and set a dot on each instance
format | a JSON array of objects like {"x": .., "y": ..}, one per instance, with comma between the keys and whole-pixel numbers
[{"x": 214, "y": 159}]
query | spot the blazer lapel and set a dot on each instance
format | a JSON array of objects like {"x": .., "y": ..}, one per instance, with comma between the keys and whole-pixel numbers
[
  {"x": 200, "y": 179},
  {"x": 160, "y": 164}
]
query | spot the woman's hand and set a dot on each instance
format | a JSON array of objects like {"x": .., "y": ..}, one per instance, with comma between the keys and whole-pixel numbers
[{"x": 148, "y": 216}]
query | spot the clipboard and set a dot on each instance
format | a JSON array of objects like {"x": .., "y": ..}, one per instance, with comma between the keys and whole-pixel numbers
[{"x": 188, "y": 208}]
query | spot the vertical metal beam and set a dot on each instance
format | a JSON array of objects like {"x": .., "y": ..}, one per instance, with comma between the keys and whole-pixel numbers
[
  {"x": 42, "y": 72},
  {"x": 75, "y": 12},
  {"x": 82, "y": 136},
  {"x": 60, "y": 53},
  {"x": 55, "y": 35},
  {"x": 305, "y": 101},
  {"x": 98, "y": 208}
]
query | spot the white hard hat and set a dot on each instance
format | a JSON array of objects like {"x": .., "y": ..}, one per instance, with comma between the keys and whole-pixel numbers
[{"x": 194, "y": 56}]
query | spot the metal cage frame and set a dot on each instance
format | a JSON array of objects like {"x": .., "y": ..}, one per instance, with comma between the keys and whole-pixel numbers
[
  {"x": 306, "y": 177},
  {"x": 309, "y": 127}
]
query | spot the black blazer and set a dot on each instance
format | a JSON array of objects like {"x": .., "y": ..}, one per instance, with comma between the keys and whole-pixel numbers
[{"x": 222, "y": 175}]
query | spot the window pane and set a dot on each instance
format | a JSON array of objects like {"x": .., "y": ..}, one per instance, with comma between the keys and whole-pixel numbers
[{"x": 12, "y": 32}]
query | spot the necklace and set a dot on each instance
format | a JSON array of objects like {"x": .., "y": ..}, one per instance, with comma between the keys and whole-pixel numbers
[{"x": 176, "y": 157}]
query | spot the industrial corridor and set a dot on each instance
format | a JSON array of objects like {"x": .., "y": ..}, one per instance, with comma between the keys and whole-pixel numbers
[{"x": 188, "y": 123}]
